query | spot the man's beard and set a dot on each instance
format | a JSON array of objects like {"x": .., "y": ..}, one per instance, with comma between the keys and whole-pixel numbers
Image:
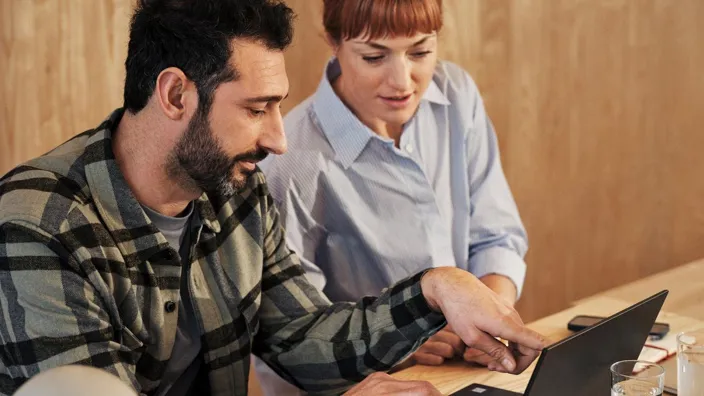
[{"x": 199, "y": 163}]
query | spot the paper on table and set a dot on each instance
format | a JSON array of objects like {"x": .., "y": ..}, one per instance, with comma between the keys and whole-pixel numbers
[{"x": 656, "y": 351}]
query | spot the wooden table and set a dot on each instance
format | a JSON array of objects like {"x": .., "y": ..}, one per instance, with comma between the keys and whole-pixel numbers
[
  {"x": 684, "y": 308},
  {"x": 685, "y": 283}
]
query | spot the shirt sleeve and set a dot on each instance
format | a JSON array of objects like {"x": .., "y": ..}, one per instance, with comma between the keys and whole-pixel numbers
[
  {"x": 53, "y": 315},
  {"x": 324, "y": 347},
  {"x": 304, "y": 234},
  {"x": 498, "y": 240}
]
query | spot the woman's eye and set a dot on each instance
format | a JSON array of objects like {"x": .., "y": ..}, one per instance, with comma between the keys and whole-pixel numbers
[
  {"x": 373, "y": 59},
  {"x": 421, "y": 54}
]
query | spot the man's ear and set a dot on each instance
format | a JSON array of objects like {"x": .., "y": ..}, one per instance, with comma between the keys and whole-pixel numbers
[{"x": 175, "y": 93}]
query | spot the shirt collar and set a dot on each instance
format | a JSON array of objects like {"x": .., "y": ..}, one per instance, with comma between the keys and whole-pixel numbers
[
  {"x": 346, "y": 133},
  {"x": 119, "y": 209},
  {"x": 435, "y": 95}
]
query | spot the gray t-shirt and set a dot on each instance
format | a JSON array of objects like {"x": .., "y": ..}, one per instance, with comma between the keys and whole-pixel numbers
[{"x": 182, "y": 368}]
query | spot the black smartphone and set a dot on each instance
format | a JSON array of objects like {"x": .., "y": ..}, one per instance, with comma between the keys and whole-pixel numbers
[{"x": 580, "y": 322}]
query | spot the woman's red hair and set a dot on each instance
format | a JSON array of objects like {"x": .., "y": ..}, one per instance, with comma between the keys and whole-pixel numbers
[{"x": 373, "y": 19}]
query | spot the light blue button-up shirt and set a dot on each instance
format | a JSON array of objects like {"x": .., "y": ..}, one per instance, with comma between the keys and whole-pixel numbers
[{"x": 363, "y": 213}]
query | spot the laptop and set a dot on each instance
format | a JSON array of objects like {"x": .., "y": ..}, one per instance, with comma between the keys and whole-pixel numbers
[{"x": 579, "y": 365}]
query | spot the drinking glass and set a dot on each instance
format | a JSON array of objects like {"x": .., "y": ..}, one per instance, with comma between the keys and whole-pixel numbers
[
  {"x": 637, "y": 378},
  {"x": 690, "y": 363}
]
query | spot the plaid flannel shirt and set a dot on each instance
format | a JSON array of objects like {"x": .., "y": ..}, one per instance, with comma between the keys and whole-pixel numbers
[{"x": 86, "y": 278}]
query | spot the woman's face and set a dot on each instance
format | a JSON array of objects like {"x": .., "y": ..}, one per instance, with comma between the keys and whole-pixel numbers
[{"x": 383, "y": 80}]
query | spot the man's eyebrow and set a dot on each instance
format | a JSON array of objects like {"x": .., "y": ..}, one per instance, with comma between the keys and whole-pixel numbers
[{"x": 266, "y": 99}]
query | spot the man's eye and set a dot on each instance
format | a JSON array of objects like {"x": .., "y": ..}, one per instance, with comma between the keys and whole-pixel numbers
[{"x": 257, "y": 112}]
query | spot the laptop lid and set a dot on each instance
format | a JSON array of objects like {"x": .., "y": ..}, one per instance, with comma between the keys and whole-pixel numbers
[
  {"x": 483, "y": 390},
  {"x": 579, "y": 365}
]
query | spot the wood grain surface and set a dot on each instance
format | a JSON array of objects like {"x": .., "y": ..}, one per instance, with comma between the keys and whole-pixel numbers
[{"x": 598, "y": 105}]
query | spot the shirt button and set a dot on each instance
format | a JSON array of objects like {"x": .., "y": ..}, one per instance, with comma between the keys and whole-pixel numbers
[
  {"x": 409, "y": 149},
  {"x": 170, "y": 306}
]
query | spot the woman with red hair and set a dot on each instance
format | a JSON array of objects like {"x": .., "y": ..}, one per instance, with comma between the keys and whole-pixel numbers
[{"x": 393, "y": 166}]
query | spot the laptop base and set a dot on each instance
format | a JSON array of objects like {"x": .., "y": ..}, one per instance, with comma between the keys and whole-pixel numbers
[{"x": 483, "y": 390}]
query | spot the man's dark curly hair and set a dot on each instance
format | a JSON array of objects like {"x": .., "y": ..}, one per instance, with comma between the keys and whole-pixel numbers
[{"x": 195, "y": 36}]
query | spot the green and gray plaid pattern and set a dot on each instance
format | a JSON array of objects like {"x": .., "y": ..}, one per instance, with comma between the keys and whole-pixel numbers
[{"x": 85, "y": 278}]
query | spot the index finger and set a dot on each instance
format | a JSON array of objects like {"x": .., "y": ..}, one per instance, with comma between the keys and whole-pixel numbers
[
  {"x": 524, "y": 356},
  {"x": 521, "y": 335}
]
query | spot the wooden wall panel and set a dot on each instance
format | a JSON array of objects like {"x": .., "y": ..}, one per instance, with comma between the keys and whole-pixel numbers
[
  {"x": 61, "y": 71},
  {"x": 598, "y": 105}
]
